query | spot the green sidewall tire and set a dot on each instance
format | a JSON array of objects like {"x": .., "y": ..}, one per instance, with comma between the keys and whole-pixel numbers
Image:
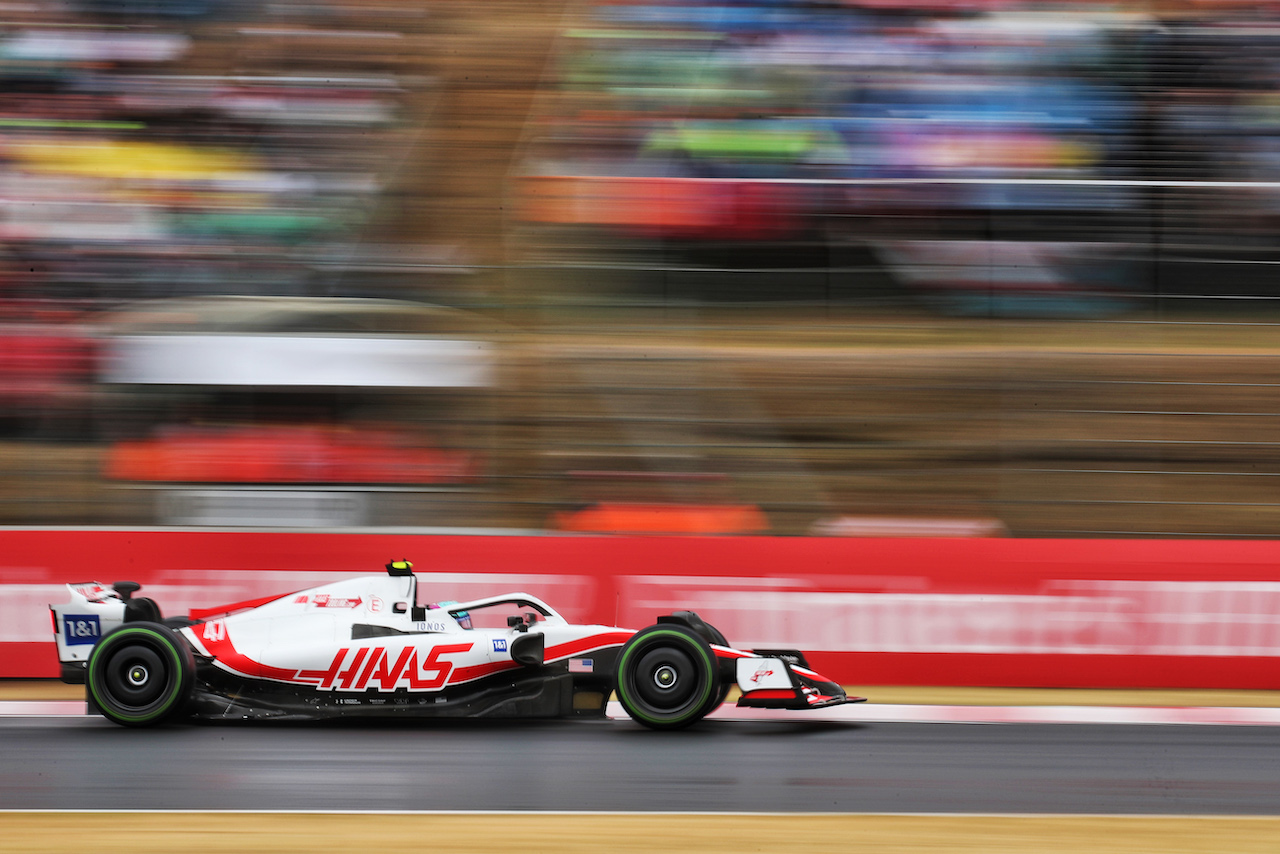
[
  {"x": 693, "y": 660},
  {"x": 161, "y": 694}
]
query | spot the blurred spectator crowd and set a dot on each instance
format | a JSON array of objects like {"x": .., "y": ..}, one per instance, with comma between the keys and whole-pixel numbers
[
  {"x": 154, "y": 150},
  {"x": 162, "y": 148},
  {"x": 211, "y": 169},
  {"x": 1069, "y": 147}
]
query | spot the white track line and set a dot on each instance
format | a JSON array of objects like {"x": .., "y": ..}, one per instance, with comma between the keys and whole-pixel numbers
[
  {"x": 647, "y": 813},
  {"x": 41, "y": 708},
  {"x": 900, "y": 713},
  {"x": 883, "y": 713}
]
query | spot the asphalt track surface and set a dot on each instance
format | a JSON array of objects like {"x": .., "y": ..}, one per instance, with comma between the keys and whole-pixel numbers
[{"x": 718, "y": 766}]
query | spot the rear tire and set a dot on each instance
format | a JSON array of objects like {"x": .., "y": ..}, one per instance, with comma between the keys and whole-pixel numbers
[
  {"x": 141, "y": 674},
  {"x": 667, "y": 677}
]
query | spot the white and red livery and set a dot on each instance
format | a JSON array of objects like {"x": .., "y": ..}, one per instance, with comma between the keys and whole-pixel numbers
[{"x": 366, "y": 647}]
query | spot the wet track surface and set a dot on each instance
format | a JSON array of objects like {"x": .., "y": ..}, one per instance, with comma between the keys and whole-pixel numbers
[{"x": 88, "y": 763}]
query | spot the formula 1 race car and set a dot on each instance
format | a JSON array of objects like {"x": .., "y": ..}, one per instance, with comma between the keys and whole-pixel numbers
[{"x": 365, "y": 647}]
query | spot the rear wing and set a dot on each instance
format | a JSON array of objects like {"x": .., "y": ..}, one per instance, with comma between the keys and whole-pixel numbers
[{"x": 95, "y": 609}]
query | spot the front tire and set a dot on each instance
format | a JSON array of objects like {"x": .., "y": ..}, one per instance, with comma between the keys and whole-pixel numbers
[
  {"x": 141, "y": 674},
  {"x": 667, "y": 677},
  {"x": 714, "y": 636}
]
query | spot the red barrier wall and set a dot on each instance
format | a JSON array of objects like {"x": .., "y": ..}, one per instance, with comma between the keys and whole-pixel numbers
[{"x": 1012, "y": 612}]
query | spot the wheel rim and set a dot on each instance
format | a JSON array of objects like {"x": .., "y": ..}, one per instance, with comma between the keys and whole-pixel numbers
[
  {"x": 135, "y": 676},
  {"x": 665, "y": 679}
]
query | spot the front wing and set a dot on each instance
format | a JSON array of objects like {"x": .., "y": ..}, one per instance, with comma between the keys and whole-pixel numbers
[{"x": 781, "y": 679}]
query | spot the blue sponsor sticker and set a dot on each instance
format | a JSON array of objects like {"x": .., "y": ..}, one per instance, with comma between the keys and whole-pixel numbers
[
  {"x": 499, "y": 644},
  {"x": 81, "y": 629}
]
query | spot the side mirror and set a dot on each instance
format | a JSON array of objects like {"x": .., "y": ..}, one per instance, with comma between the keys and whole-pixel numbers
[
  {"x": 517, "y": 623},
  {"x": 126, "y": 589}
]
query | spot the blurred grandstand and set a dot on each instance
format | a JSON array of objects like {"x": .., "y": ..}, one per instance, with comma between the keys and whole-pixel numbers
[{"x": 962, "y": 266}]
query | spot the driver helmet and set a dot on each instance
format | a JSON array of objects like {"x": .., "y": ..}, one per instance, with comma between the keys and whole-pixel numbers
[{"x": 463, "y": 618}]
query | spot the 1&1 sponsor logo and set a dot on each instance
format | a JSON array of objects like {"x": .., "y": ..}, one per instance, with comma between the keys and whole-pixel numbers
[{"x": 81, "y": 629}]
